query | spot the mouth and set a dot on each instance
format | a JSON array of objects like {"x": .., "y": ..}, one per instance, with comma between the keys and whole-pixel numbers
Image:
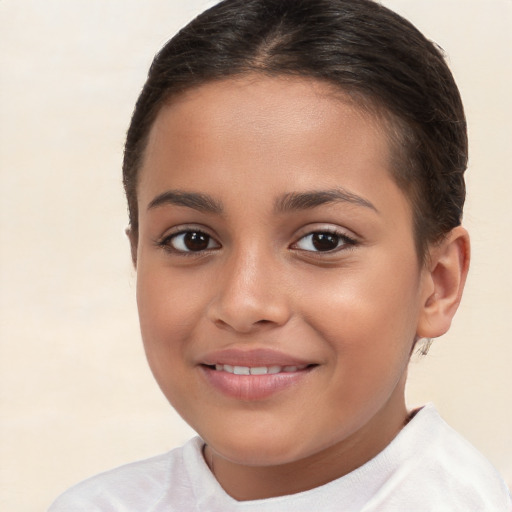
[
  {"x": 258, "y": 370},
  {"x": 255, "y": 383}
]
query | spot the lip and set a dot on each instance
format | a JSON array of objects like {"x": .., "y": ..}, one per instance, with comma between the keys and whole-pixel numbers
[
  {"x": 253, "y": 387},
  {"x": 253, "y": 357}
]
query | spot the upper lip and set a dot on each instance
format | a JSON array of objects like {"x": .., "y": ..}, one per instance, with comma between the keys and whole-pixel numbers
[{"x": 252, "y": 358}]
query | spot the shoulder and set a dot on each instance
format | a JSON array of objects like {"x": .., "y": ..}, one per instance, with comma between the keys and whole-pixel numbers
[
  {"x": 444, "y": 464},
  {"x": 132, "y": 487}
]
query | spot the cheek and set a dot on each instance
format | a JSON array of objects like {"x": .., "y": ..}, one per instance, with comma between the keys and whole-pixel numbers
[
  {"x": 368, "y": 308},
  {"x": 168, "y": 302},
  {"x": 166, "y": 314},
  {"x": 167, "y": 318}
]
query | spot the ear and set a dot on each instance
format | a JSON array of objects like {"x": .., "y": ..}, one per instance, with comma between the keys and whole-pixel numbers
[
  {"x": 133, "y": 236},
  {"x": 443, "y": 282}
]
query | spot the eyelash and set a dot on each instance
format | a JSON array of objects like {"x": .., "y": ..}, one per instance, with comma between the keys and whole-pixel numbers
[
  {"x": 166, "y": 242},
  {"x": 344, "y": 242}
]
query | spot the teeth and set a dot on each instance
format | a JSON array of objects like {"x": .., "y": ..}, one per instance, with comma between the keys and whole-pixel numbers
[
  {"x": 257, "y": 370},
  {"x": 261, "y": 370}
]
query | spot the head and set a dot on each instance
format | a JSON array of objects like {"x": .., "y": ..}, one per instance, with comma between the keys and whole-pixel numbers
[
  {"x": 365, "y": 50},
  {"x": 294, "y": 178}
]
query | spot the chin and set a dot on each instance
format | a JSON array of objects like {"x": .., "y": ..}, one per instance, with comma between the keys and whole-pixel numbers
[{"x": 254, "y": 449}]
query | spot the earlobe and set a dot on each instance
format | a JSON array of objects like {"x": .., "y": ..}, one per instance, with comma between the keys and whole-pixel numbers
[
  {"x": 133, "y": 237},
  {"x": 443, "y": 283}
]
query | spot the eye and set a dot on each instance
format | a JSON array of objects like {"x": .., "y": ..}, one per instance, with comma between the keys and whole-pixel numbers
[
  {"x": 323, "y": 241},
  {"x": 190, "y": 241}
]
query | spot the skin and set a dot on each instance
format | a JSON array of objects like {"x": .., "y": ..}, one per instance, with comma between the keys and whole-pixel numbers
[{"x": 354, "y": 311}]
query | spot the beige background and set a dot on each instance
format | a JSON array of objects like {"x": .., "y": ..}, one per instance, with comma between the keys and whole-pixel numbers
[{"x": 76, "y": 395}]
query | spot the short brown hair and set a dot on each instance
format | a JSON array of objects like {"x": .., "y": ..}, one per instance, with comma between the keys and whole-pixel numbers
[{"x": 359, "y": 46}]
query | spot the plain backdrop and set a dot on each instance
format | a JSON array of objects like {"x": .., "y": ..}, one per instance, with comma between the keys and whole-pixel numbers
[{"x": 76, "y": 394}]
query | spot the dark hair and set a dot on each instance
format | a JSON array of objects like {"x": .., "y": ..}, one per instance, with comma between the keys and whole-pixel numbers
[{"x": 361, "y": 47}]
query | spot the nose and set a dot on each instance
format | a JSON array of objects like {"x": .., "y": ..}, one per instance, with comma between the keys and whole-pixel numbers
[{"x": 250, "y": 294}]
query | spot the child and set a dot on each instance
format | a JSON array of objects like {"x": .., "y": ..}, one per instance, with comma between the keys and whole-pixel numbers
[{"x": 294, "y": 175}]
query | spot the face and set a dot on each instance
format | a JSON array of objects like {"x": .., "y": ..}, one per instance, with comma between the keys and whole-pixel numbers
[{"x": 278, "y": 286}]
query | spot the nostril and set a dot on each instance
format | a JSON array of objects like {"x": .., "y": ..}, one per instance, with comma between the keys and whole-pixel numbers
[{"x": 221, "y": 323}]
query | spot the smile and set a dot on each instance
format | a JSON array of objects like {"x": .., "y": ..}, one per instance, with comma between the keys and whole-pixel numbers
[
  {"x": 258, "y": 370},
  {"x": 254, "y": 383}
]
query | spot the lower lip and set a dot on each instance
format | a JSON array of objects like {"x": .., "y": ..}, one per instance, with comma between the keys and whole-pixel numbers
[{"x": 252, "y": 387}]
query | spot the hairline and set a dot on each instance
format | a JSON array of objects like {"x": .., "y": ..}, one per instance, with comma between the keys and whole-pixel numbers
[{"x": 394, "y": 128}]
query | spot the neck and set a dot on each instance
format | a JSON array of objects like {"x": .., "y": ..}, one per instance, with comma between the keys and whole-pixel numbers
[{"x": 248, "y": 482}]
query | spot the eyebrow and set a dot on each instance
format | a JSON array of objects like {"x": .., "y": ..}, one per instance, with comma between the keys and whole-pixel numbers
[
  {"x": 311, "y": 199},
  {"x": 293, "y": 201},
  {"x": 201, "y": 202}
]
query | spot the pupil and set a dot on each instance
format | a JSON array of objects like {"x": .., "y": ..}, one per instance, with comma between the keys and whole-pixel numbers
[
  {"x": 195, "y": 241},
  {"x": 325, "y": 241}
]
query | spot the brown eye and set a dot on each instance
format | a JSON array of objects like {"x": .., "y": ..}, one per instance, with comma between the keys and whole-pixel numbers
[
  {"x": 192, "y": 241},
  {"x": 196, "y": 241},
  {"x": 324, "y": 241}
]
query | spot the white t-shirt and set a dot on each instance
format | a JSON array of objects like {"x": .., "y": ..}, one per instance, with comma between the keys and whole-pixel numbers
[{"x": 427, "y": 467}]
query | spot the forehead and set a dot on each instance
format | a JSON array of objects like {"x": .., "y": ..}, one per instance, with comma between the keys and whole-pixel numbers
[
  {"x": 280, "y": 124},
  {"x": 265, "y": 102}
]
